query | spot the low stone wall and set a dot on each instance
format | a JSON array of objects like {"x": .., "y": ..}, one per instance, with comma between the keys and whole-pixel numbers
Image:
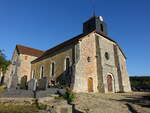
[
  {"x": 56, "y": 106},
  {"x": 13, "y": 93}
]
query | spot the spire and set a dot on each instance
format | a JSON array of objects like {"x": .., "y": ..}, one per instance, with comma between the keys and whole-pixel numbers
[{"x": 93, "y": 8}]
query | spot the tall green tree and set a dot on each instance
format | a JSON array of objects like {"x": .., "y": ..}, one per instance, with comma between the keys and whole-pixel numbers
[{"x": 4, "y": 63}]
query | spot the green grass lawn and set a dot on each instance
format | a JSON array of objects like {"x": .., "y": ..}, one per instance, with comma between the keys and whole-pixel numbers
[
  {"x": 13, "y": 108},
  {"x": 2, "y": 89}
]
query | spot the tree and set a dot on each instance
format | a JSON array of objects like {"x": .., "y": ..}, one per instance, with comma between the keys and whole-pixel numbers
[{"x": 4, "y": 63}]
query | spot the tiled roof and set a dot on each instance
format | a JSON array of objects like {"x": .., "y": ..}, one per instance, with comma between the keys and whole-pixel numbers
[
  {"x": 28, "y": 51},
  {"x": 67, "y": 43},
  {"x": 58, "y": 47}
]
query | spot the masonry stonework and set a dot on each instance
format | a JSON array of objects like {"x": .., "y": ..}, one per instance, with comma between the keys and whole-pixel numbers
[
  {"x": 25, "y": 66},
  {"x": 108, "y": 65},
  {"x": 86, "y": 69},
  {"x": 97, "y": 62},
  {"x": 89, "y": 62},
  {"x": 59, "y": 60},
  {"x": 123, "y": 69},
  {"x": 20, "y": 65}
]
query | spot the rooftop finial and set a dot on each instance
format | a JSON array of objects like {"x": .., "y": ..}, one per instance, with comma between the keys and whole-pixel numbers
[{"x": 93, "y": 7}]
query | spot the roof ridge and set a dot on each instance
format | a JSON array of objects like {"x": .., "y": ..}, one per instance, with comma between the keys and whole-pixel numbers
[
  {"x": 70, "y": 41},
  {"x": 29, "y": 47},
  {"x": 28, "y": 50}
]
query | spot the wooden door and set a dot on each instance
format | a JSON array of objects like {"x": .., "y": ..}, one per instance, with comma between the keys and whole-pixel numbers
[
  {"x": 90, "y": 84},
  {"x": 109, "y": 83}
]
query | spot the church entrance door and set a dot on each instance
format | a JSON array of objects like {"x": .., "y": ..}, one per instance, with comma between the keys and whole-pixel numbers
[
  {"x": 109, "y": 83},
  {"x": 90, "y": 84}
]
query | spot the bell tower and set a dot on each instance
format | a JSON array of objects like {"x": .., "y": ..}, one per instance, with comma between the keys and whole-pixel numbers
[{"x": 95, "y": 23}]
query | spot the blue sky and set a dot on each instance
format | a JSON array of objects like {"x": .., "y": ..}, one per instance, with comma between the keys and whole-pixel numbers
[{"x": 43, "y": 24}]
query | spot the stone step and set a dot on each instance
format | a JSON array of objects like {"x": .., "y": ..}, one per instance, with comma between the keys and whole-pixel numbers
[
  {"x": 29, "y": 93},
  {"x": 17, "y": 93},
  {"x": 49, "y": 91}
]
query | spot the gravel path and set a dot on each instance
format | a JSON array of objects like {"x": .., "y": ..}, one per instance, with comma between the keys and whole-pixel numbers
[{"x": 113, "y": 103}]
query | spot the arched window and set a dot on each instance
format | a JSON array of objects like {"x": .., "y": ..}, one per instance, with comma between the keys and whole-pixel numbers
[
  {"x": 52, "y": 68},
  {"x": 33, "y": 74},
  {"x": 42, "y": 72},
  {"x": 67, "y": 65}
]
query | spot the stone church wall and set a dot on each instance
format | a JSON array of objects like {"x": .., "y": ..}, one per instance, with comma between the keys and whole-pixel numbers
[
  {"x": 88, "y": 61},
  {"x": 108, "y": 65},
  {"x": 12, "y": 71},
  {"x": 15, "y": 62},
  {"x": 99, "y": 65},
  {"x": 25, "y": 66},
  {"x": 125, "y": 78},
  {"x": 7, "y": 76},
  {"x": 21, "y": 66},
  {"x": 86, "y": 66},
  {"x": 58, "y": 58}
]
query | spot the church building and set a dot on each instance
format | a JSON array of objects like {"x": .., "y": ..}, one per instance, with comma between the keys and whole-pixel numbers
[
  {"x": 20, "y": 67},
  {"x": 89, "y": 62}
]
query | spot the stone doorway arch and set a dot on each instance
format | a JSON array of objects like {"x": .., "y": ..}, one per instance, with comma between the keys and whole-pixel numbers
[
  {"x": 110, "y": 83},
  {"x": 90, "y": 84}
]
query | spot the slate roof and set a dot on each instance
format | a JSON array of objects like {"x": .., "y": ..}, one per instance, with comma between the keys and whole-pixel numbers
[
  {"x": 28, "y": 51},
  {"x": 67, "y": 43}
]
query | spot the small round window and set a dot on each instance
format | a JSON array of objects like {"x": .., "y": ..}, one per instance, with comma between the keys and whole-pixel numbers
[{"x": 107, "y": 55}]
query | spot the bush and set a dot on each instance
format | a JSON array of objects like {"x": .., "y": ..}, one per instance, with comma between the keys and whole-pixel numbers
[
  {"x": 42, "y": 106},
  {"x": 39, "y": 105},
  {"x": 140, "y": 83},
  {"x": 69, "y": 96},
  {"x": 2, "y": 89}
]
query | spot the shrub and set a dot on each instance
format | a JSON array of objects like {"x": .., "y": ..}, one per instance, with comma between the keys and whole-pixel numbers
[
  {"x": 42, "y": 106},
  {"x": 69, "y": 96},
  {"x": 140, "y": 83},
  {"x": 2, "y": 89}
]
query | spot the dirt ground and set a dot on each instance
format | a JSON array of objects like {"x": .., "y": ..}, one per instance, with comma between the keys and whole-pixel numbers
[{"x": 135, "y": 102}]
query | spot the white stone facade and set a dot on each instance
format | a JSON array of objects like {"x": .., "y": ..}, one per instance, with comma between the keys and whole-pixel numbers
[
  {"x": 20, "y": 66},
  {"x": 96, "y": 62},
  {"x": 85, "y": 69},
  {"x": 92, "y": 71}
]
